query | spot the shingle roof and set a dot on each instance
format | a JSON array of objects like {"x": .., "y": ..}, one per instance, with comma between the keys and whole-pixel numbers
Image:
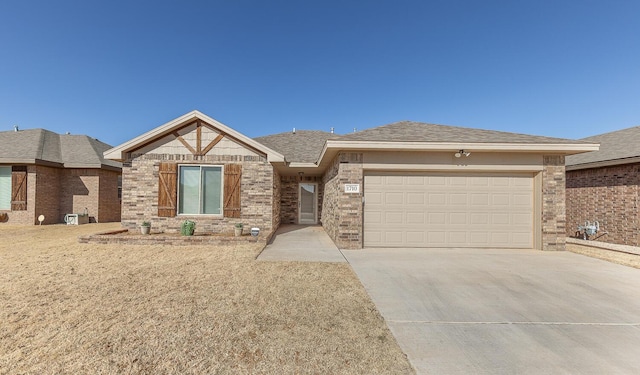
[
  {"x": 615, "y": 145},
  {"x": 409, "y": 131},
  {"x": 303, "y": 146},
  {"x": 71, "y": 151}
]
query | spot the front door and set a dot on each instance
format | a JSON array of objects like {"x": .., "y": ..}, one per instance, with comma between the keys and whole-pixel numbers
[{"x": 307, "y": 203}]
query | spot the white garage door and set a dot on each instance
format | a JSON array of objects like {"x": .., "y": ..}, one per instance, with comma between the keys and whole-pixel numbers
[{"x": 448, "y": 210}]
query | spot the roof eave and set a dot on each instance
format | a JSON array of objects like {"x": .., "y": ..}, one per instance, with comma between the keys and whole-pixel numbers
[
  {"x": 46, "y": 163},
  {"x": 331, "y": 147},
  {"x": 603, "y": 163},
  {"x": 564, "y": 148}
]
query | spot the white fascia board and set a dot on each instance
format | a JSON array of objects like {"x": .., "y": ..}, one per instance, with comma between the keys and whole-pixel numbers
[
  {"x": 565, "y": 148},
  {"x": 117, "y": 153},
  {"x": 302, "y": 165},
  {"x": 17, "y": 161}
]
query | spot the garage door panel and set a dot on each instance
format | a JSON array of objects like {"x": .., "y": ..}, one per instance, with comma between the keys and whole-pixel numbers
[
  {"x": 415, "y": 237},
  {"x": 500, "y": 199},
  {"x": 393, "y": 198},
  {"x": 415, "y": 180},
  {"x": 436, "y": 180},
  {"x": 374, "y": 197},
  {"x": 457, "y": 238},
  {"x": 437, "y": 198},
  {"x": 458, "y": 199},
  {"x": 479, "y": 181},
  {"x": 481, "y": 238},
  {"x": 437, "y": 218},
  {"x": 436, "y": 238},
  {"x": 522, "y": 219},
  {"x": 521, "y": 199},
  {"x": 458, "y": 218},
  {"x": 448, "y": 210},
  {"x": 521, "y": 239},
  {"x": 393, "y": 238},
  {"x": 416, "y": 198},
  {"x": 394, "y": 180},
  {"x": 500, "y": 219},
  {"x": 415, "y": 218},
  {"x": 479, "y": 199},
  {"x": 373, "y": 217},
  {"x": 393, "y": 218}
]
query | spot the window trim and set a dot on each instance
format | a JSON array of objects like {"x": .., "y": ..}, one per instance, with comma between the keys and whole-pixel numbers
[{"x": 221, "y": 166}]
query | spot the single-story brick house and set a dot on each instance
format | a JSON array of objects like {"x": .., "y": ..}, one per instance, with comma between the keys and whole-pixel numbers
[
  {"x": 604, "y": 186},
  {"x": 405, "y": 184},
  {"x": 50, "y": 174}
]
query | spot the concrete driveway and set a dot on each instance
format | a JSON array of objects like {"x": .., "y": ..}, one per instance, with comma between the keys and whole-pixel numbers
[{"x": 471, "y": 311}]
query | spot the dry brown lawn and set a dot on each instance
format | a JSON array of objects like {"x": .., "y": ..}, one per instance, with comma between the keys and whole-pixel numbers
[{"x": 71, "y": 308}]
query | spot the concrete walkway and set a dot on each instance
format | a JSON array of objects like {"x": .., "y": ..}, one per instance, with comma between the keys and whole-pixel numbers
[
  {"x": 303, "y": 243},
  {"x": 479, "y": 311}
]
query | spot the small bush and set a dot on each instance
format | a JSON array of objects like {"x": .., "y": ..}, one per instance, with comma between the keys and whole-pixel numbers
[{"x": 188, "y": 227}]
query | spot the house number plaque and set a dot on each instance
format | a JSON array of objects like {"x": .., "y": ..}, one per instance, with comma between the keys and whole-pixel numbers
[{"x": 351, "y": 188}]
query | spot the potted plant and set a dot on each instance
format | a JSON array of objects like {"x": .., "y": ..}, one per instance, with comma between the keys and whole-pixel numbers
[
  {"x": 145, "y": 228},
  {"x": 188, "y": 227},
  {"x": 238, "y": 229}
]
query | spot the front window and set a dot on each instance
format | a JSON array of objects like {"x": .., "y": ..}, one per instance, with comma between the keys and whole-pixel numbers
[
  {"x": 5, "y": 188},
  {"x": 200, "y": 190}
]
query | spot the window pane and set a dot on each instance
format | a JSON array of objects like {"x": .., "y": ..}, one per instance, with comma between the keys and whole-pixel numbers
[
  {"x": 5, "y": 188},
  {"x": 189, "y": 199},
  {"x": 211, "y": 190}
]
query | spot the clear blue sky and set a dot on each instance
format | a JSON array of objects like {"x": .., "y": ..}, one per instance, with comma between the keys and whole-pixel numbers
[{"x": 116, "y": 69}]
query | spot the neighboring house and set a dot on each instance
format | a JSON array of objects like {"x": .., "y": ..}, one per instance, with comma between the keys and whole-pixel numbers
[
  {"x": 604, "y": 186},
  {"x": 50, "y": 174},
  {"x": 405, "y": 184}
]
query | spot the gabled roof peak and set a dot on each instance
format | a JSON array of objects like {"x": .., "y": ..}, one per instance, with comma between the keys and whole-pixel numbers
[{"x": 118, "y": 152}]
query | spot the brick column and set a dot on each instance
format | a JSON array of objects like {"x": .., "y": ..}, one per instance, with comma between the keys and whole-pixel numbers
[
  {"x": 553, "y": 203},
  {"x": 342, "y": 212}
]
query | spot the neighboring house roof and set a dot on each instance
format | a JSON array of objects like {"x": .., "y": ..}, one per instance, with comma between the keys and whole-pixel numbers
[
  {"x": 40, "y": 146},
  {"x": 118, "y": 152},
  {"x": 618, "y": 147},
  {"x": 302, "y": 146}
]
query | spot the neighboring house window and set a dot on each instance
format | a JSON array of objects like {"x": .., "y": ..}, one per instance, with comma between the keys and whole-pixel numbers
[
  {"x": 200, "y": 190},
  {"x": 5, "y": 188}
]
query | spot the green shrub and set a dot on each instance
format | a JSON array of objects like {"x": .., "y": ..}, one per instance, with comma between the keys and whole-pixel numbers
[{"x": 188, "y": 227}]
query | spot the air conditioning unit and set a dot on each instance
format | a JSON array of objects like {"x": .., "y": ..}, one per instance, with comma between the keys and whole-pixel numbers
[{"x": 76, "y": 219}]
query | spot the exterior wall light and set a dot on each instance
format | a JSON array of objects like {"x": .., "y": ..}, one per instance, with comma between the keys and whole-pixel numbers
[{"x": 461, "y": 153}]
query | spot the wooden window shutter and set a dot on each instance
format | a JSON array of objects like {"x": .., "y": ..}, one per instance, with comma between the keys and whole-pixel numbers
[
  {"x": 232, "y": 177},
  {"x": 18, "y": 189},
  {"x": 167, "y": 189}
]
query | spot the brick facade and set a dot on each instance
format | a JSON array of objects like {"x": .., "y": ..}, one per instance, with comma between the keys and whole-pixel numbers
[
  {"x": 553, "y": 203},
  {"x": 140, "y": 187},
  {"x": 108, "y": 202},
  {"x": 608, "y": 195},
  {"x": 343, "y": 212},
  {"x": 54, "y": 192}
]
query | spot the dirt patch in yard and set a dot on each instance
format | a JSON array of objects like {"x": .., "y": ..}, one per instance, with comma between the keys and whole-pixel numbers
[{"x": 68, "y": 307}]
